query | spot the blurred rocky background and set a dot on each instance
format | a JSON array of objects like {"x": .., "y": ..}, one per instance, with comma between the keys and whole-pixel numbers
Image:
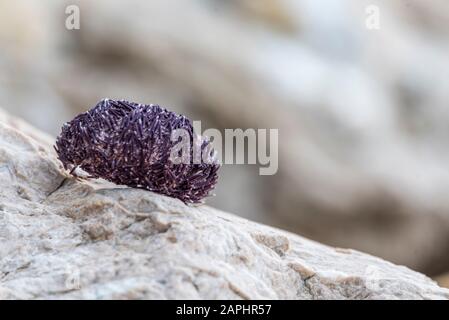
[{"x": 362, "y": 113}]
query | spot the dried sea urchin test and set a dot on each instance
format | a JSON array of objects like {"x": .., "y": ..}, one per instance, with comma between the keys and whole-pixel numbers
[{"x": 129, "y": 144}]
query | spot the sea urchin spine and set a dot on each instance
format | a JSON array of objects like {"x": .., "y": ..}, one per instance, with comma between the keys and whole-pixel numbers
[{"x": 129, "y": 144}]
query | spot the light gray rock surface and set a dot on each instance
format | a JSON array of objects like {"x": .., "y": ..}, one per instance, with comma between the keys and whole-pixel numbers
[{"x": 62, "y": 238}]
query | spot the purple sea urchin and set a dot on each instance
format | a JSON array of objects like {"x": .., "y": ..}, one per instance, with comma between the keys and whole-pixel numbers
[{"x": 129, "y": 144}]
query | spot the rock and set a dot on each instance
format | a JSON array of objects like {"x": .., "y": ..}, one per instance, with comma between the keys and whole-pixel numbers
[{"x": 62, "y": 238}]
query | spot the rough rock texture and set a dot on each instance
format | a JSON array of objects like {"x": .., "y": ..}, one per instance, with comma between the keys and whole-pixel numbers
[{"x": 63, "y": 238}]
